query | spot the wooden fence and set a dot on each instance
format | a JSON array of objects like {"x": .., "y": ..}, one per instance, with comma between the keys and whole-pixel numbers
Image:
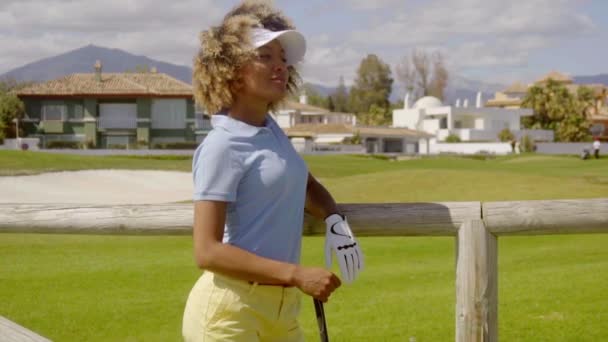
[{"x": 476, "y": 227}]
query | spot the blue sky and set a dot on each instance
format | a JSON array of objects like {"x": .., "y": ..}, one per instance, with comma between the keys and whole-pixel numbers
[{"x": 488, "y": 40}]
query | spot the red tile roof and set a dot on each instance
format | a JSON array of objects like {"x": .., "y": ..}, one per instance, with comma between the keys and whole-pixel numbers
[{"x": 142, "y": 84}]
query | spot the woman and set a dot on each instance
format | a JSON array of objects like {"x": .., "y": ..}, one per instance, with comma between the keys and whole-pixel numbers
[{"x": 251, "y": 187}]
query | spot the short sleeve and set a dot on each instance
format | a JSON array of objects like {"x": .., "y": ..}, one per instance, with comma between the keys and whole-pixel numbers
[{"x": 216, "y": 172}]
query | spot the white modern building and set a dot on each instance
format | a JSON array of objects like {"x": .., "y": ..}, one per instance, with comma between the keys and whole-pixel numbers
[
  {"x": 295, "y": 113},
  {"x": 372, "y": 139},
  {"x": 474, "y": 123},
  {"x": 312, "y": 128}
]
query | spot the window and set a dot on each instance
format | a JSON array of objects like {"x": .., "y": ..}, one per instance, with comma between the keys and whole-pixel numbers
[
  {"x": 202, "y": 121},
  {"x": 117, "y": 116},
  {"x": 169, "y": 114},
  {"x": 78, "y": 113},
  {"x": 54, "y": 112}
]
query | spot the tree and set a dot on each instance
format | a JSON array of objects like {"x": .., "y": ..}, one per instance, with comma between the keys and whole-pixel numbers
[
  {"x": 330, "y": 104},
  {"x": 10, "y": 85},
  {"x": 555, "y": 108},
  {"x": 340, "y": 97},
  {"x": 313, "y": 97},
  {"x": 11, "y": 108},
  {"x": 423, "y": 74},
  {"x": 376, "y": 116},
  {"x": 372, "y": 87}
]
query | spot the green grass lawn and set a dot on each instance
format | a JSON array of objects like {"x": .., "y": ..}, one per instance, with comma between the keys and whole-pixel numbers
[
  {"x": 26, "y": 163},
  {"x": 133, "y": 288}
]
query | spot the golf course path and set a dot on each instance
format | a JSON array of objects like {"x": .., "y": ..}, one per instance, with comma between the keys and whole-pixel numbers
[{"x": 98, "y": 187}]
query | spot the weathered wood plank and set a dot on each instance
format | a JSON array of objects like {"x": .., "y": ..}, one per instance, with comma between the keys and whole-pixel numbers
[
  {"x": 365, "y": 219},
  {"x": 13, "y": 332},
  {"x": 476, "y": 284},
  {"x": 403, "y": 219},
  {"x": 500, "y": 218},
  {"x": 148, "y": 219},
  {"x": 546, "y": 217}
]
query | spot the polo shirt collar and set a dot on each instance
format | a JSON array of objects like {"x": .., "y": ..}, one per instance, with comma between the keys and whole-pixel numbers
[{"x": 239, "y": 128}]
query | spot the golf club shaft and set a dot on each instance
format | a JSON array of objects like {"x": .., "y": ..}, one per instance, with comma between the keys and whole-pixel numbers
[{"x": 321, "y": 320}]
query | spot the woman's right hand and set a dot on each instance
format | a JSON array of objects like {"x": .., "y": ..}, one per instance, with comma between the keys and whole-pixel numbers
[{"x": 316, "y": 282}]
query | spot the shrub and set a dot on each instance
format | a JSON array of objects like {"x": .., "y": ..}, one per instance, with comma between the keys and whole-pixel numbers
[
  {"x": 354, "y": 140},
  {"x": 59, "y": 144},
  {"x": 527, "y": 144},
  {"x": 505, "y": 135},
  {"x": 182, "y": 145},
  {"x": 87, "y": 145},
  {"x": 117, "y": 147},
  {"x": 452, "y": 138},
  {"x": 142, "y": 144}
]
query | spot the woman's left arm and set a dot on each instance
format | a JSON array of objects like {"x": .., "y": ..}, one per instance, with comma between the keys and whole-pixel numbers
[
  {"x": 339, "y": 238},
  {"x": 319, "y": 202}
]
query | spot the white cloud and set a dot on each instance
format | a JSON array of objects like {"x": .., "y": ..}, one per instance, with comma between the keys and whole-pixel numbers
[
  {"x": 108, "y": 15},
  {"x": 36, "y": 29},
  {"x": 371, "y": 4},
  {"x": 473, "y": 34},
  {"x": 445, "y": 20},
  {"x": 325, "y": 63}
]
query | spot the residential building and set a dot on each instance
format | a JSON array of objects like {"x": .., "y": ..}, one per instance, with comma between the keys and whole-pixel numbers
[
  {"x": 476, "y": 123},
  {"x": 372, "y": 139},
  {"x": 312, "y": 128},
  {"x": 107, "y": 110},
  {"x": 513, "y": 96},
  {"x": 293, "y": 113}
]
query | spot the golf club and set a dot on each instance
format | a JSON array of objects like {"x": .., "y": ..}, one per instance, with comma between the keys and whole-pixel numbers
[{"x": 321, "y": 320}]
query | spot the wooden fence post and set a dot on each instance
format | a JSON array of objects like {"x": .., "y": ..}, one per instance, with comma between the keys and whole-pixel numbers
[{"x": 476, "y": 284}]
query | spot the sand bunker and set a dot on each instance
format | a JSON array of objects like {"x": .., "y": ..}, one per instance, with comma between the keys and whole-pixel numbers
[{"x": 98, "y": 187}]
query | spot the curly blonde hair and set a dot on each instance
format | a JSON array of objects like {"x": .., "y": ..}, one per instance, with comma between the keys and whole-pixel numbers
[{"x": 227, "y": 47}]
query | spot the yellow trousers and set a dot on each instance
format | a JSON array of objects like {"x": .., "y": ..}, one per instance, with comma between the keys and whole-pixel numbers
[{"x": 220, "y": 308}]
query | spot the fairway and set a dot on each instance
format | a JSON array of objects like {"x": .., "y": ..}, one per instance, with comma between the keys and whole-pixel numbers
[{"x": 133, "y": 288}]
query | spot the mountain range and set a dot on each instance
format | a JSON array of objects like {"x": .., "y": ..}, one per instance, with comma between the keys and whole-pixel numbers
[
  {"x": 115, "y": 60},
  {"x": 82, "y": 60}
]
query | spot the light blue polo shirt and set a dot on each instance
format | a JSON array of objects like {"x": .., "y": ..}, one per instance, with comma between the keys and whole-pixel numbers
[{"x": 256, "y": 170}]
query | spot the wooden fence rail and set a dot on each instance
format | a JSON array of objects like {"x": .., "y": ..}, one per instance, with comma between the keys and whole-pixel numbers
[{"x": 475, "y": 225}]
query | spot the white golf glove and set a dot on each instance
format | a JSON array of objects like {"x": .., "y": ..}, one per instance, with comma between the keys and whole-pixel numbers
[{"x": 340, "y": 239}]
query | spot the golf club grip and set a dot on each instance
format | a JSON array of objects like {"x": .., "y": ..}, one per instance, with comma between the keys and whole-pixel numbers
[{"x": 321, "y": 320}]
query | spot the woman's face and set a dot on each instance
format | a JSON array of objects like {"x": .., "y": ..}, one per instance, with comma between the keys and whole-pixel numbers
[{"x": 265, "y": 77}]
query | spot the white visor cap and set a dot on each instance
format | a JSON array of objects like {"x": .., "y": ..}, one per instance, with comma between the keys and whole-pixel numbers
[{"x": 293, "y": 42}]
